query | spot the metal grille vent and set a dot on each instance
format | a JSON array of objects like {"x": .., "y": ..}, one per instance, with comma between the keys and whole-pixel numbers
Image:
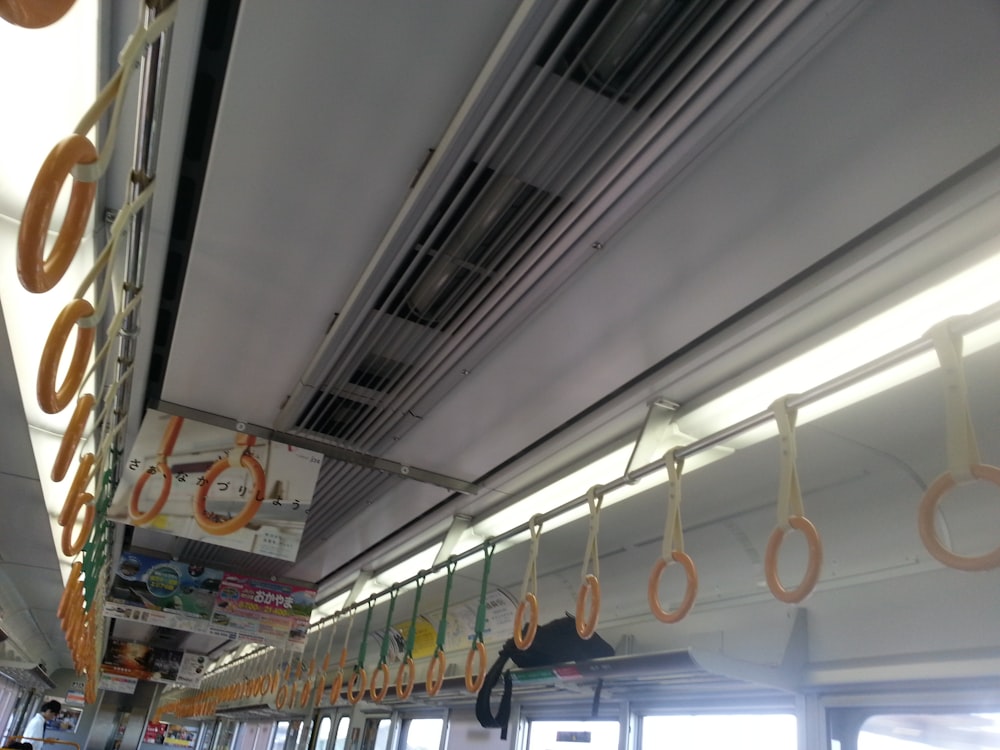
[{"x": 575, "y": 114}]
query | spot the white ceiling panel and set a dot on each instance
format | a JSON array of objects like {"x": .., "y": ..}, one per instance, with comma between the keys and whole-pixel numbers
[{"x": 316, "y": 145}]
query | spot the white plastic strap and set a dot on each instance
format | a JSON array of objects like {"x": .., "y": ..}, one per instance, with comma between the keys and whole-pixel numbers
[
  {"x": 350, "y": 625},
  {"x": 107, "y": 255},
  {"x": 235, "y": 458},
  {"x": 595, "y": 497},
  {"x": 530, "y": 583},
  {"x": 115, "y": 91},
  {"x": 673, "y": 533},
  {"x": 789, "y": 492},
  {"x": 963, "y": 450},
  {"x": 116, "y": 323}
]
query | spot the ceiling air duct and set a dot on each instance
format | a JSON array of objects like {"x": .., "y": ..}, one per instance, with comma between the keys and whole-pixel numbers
[{"x": 571, "y": 128}]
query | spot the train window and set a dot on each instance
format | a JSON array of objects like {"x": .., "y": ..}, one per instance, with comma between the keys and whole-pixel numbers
[
  {"x": 224, "y": 737},
  {"x": 746, "y": 731},
  {"x": 323, "y": 733},
  {"x": 969, "y": 731},
  {"x": 207, "y": 736},
  {"x": 8, "y": 699},
  {"x": 596, "y": 735},
  {"x": 340, "y": 739},
  {"x": 280, "y": 736},
  {"x": 422, "y": 734},
  {"x": 254, "y": 736},
  {"x": 376, "y": 735}
]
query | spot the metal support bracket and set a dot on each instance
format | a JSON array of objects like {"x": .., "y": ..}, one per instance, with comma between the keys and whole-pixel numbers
[{"x": 335, "y": 452}]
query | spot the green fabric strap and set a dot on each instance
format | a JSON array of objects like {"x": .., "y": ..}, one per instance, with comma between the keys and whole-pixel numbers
[
  {"x": 443, "y": 626},
  {"x": 481, "y": 614},
  {"x": 411, "y": 634},
  {"x": 363, "y": 650},
  {"x": 384, "y": 652}
]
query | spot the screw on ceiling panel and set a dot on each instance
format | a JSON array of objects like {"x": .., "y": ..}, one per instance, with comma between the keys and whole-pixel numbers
[
  {"x": 597, "y": 245},
  {"x": 466, "y": 372}
]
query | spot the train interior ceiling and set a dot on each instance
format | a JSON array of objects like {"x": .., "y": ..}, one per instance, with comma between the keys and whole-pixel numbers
[{"x": 489, "y": 263}]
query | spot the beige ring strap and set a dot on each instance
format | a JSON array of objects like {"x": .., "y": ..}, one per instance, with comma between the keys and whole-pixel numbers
[
  {"x": 964, "y": 463},
  {"x": 811, "y": 576},
  {"x": 928, "y": 512},
  {"x": 673, "y": 548},
  {"x": 791, "y": 514},
  {"x": 590, "y": 587}
]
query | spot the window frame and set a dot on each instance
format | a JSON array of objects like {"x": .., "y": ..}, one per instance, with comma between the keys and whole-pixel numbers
[{"x": 847, "y": 712}]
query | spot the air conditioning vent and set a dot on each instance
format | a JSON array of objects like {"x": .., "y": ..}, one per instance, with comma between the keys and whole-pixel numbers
[
  {"x": 621, "y": 50},
  {"x": 476, "y": 230},
  {"x": 378, "y": 373},
  {"x": 333, "y": 415}
]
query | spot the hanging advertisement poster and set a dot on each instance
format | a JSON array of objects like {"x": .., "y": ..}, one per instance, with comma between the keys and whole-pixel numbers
[
  {"x": 263, "y": 611},
  {"x": 180, "y": 736},
  {"x": 163, "y": 592},
  {"x": 155, "y": 730},
  {"x": 117, "y": 683},
  {"x": 197, "y": 599},
  {"x": 424, "y": 640},
  {"x": 216, "y": 485},
  {"x": 500, "y": 610},
  {"x": 145, "y": 662}
]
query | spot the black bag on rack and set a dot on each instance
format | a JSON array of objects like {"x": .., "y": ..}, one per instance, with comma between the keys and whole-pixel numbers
[{"x": 556, "y": 642}]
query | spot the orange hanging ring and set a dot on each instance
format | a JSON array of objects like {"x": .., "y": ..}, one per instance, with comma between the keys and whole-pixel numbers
[
  {"x": 928, "y": 510},
  {"x": 281, "y": 698},
  {"x": 76, "y": 488},
  {"x": 306, "y": 694},
  {"x": 653, "y": 590},
  {"x": 37, "y": 273},
  {"x": 51, "y": 399},
  {"x": 71, "y": 583},
  {"x": 435, "y": 681},
  {"x": 405, "y": 678},
  {"x": 336, "y": 687},
  {"x": 320, "y": 689},
  {"x": 474, "y": 684},
  {"x": 34, "y": 14},
  {"x": 586, "y": 622},
  {"x": 378, "y": 694},
  {"x": 135, "y": 514},
  {"x": 253, "y": 502},
  {"x": 71, "y": 547},
  {"x": 167, "y": 443},
  {"x": 357, "y": 675},
  {"x": 71, "y": 437},
  {"x": 523, "y": 639},
  {"x": 805, "y": 587}
]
